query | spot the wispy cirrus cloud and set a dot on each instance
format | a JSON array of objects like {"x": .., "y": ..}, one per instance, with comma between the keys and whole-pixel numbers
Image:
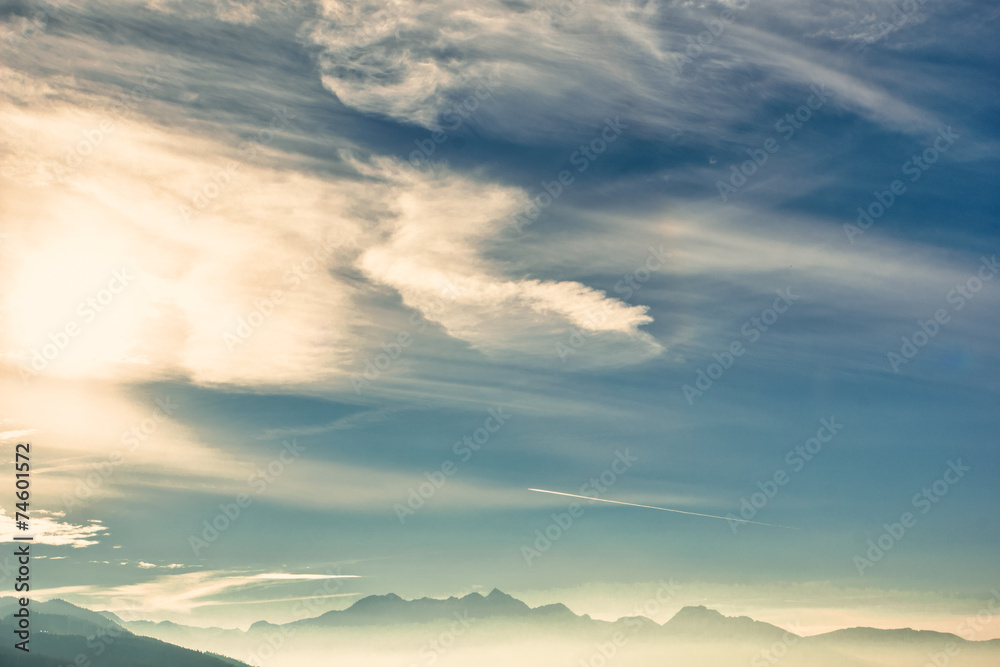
[
  {"x": 203, "y": 295},
  {"x": 184, "y": 593},
  {"x": 414, "y": 62}
]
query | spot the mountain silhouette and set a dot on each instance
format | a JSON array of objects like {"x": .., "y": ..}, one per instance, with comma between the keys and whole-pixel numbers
[
  {"x": 703, "y": 623},
  {"x": 62, "y": 632},
  {"x": 61, "y": 617},
  {"x": 691, "y": 622},
  {"x": 391, "y": 609},
  {"x": 876, "y": 636}
]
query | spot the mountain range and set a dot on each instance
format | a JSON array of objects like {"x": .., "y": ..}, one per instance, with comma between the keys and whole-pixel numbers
[
  {"x": 63, "y": 634},
  {"x": 386, "y": 628}
]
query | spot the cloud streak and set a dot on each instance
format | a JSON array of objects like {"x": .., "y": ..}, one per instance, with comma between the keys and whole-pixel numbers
[{"x": 47, "y": 528}]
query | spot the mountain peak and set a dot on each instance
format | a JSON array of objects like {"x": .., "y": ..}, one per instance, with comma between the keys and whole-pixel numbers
[
  {"x": 498, "y": 602},
  {"x": 497, "y": 594},
  {"x": 557, "y": 610},
  {"x": 698, "y": 611},
  {"x": 377, "y": 601},
  {"x": 700, "y": 621}
]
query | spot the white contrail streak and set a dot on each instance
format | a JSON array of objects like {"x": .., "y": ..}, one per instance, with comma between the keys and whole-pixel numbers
[{"x": 662, "y": 509}]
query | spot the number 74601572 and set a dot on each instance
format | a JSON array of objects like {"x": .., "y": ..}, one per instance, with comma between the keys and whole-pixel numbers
[{"x": 22, "y": 480}]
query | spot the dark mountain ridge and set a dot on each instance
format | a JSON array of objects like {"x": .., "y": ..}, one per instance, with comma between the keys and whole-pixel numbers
[
  {"x": 703, "y": 623},
  {"x": 391, "y": 609},
  {"x": 65, "y": 634},
  {"x": 692, "y": 623}
]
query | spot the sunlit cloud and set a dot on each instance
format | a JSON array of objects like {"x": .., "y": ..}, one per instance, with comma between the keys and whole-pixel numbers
[
  {"x": 46, "y": 528},
  {"x": 17, "y": 435},
  {"x": 142, "y": 282},
  {"x": 430, "y": 65},
  {"x": 183, "y": 593}
]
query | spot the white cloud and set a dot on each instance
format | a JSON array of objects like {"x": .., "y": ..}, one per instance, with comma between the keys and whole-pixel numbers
[
  {"x": 112, "y": 279},
  {"x": 47, "y": 529},
  {"x": 561, "y": 67},
  {"x": 86, "y": 459},
  {"x": 243, "y": 12},
  {"x": 17, "y": 435},
  {"x": 178, "y": 594},
  {"x": 432, "y": 255},
  {"x": 400, "y": 60},
  {"x": 109, "y": 283}
]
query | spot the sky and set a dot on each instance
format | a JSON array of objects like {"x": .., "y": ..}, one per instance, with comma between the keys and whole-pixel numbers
[{"x": 299, "y": 300}]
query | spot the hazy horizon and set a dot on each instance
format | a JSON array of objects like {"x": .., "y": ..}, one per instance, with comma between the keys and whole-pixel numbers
[
  {"x": 616, "y": 603},
  {"x": 492, "y": 629}
]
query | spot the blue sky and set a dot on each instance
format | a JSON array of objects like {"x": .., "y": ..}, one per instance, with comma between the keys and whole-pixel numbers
[{"x": 350, "y": 231}]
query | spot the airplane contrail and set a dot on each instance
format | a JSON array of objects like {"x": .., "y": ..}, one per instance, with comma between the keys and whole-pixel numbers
[{"x": 664, "y": 509}]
